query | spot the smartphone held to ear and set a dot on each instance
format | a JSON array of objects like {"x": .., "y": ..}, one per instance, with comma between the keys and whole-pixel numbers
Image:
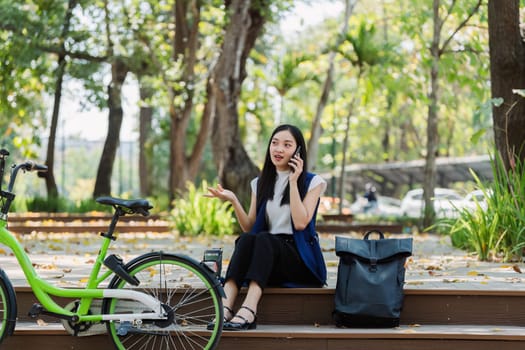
[{"x": 297, "y": 153}]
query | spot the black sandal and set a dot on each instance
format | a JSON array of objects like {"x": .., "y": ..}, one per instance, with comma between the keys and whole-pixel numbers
[
  {"x": 241, "y": 326},
  {"x": 211, "y": 324}
]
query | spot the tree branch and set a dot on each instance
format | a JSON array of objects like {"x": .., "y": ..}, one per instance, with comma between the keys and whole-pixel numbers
[
  {"x": 466, "y": 49},
  {"x": 449, "y": 12},
  {"x": 79, "y": 55},
  {"x": 460, "y": 26}
]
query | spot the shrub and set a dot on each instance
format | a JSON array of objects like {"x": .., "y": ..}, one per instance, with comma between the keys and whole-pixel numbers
[
  {"x": 59, "y": 205},
  {"x": 47, "y": 204},
  {"x": 90, "y": 205},
  {"x": 195, "y": 214},
  {"x": 499, "y": 229}
]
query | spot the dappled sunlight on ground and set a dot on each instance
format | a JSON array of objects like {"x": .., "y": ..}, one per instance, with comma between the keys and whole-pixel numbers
[{"x": 435, "y": 264}]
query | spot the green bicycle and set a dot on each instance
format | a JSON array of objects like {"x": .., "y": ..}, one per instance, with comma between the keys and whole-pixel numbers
[{"x": 156, "y": 301}]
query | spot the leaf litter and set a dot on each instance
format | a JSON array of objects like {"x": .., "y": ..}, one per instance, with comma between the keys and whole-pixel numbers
[{"x": 434, "y": 260}]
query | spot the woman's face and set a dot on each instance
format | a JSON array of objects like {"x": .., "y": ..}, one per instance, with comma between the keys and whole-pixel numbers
[{"x": 282, "y": 149}]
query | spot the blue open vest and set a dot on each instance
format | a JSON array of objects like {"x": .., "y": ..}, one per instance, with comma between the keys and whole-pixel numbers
[{"x": 306, "y": 241}]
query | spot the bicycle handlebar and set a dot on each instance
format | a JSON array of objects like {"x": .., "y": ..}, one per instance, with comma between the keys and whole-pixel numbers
[
  {"x": 8, "y": 195},
  {"x": 32, "y": 166},
  {"x": 26, "y": 166}
]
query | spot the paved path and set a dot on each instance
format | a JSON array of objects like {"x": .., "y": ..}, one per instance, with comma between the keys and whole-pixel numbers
[{"x": 435, "y": 264}]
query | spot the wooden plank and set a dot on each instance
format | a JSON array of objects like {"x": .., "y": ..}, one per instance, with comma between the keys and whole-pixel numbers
[
  {"x": 309, "y": 306},
  {"x": 66, "y": 217},
  {"x": 88, "y": 229},
  {"x": 361, "y": 344},
  {"x": 467, "y": 337},
  {"x": 227, "y": 343},
  {"x": 459, "y": 332}
]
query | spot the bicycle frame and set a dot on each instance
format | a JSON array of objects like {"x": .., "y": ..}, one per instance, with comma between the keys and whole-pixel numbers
[{"x": 43, "y": 290}]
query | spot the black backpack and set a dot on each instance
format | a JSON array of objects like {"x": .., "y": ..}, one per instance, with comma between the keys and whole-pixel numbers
[{"x": 370, "y": 279}]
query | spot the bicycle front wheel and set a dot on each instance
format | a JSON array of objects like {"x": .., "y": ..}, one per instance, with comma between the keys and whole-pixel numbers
[
  {"x": 188, "y": 291},
  {"x": 8, "y": 307}
]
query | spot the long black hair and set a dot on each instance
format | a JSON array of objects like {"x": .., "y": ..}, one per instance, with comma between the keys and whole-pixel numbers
[{"x": 268, "y": 176}]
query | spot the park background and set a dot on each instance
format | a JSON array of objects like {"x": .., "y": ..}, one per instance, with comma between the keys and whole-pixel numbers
[{"x": 368, "y": 82}]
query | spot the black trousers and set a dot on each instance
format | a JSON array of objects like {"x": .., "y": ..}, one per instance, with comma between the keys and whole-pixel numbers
[{"x": 269, "y": 260}]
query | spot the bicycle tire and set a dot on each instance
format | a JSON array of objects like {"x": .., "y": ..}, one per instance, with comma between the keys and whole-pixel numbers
[
  {"x": 8, "y": 307},
  {"x": 190, "y": 290}
]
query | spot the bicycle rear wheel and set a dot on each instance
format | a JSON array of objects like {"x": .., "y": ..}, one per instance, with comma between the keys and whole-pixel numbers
[
  {"x": 190, "y": 293},
  {"x": 8, "y": 307}
]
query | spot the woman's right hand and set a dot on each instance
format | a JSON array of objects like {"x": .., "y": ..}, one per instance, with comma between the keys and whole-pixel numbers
[{"x": 221, "y": 193}]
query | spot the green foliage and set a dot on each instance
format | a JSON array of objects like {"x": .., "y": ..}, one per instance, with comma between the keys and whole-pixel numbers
[
  {"x": 44, "y": 204},
  {"x": 88, "y": 205},
  {"x": 59, "y": 205},
  {"x": 390, "y": 39},
  {"x": 195, "y": 214},
  {"x": 496, "y": 231},
  {"x": 23, "y": 78}
]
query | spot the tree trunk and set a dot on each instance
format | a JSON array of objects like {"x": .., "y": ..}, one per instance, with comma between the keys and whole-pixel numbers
[
  {"x": 186, "y": 41},
  {"x": 342, "y": 177},
  {"x": 436, "y": 50},
  {"x": 429, "y": 181},
  {"x": 234, "y": 166},
  {"x": 51, "y": 186},
  {"x": 507, "y": 72},
  {"x": 119, "y": 71},
  {"x": 145, "y": 152},
  {"x": 313, "y": 142}
]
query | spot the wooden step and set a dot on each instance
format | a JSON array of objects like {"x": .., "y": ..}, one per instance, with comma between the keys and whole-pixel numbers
[
  {"x": 300, "y": 318},
  {"x": 404, "y": 337},
  {"x": 308, "y": 306},
  {"x": 80, "y": 223},
  {"x": 435, "y": 337},
  {"x": 15, "y": 218},
  {"x": 89, "y": 228}
]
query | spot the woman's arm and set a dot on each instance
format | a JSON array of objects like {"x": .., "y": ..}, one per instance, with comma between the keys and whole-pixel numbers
[
  {"x": 303, "y": 211},
  {"x": 246, "y": 220}
]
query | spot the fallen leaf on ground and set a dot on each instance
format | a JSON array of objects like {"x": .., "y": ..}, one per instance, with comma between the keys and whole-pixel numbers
[
  {"x": 455, "y": 280},
  {"x": 408, "y": 331}
]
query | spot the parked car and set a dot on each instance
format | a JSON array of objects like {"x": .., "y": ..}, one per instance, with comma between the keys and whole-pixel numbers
[
  {"x": 447, "y": 203},
  {"x": 479, "y": 197},
  {"x": 386, "y": 206}
]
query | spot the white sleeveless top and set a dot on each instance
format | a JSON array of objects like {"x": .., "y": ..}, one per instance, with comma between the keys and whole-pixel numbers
[{"x": 279, "y": 217}]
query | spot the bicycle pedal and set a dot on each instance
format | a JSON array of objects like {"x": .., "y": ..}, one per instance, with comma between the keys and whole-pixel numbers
[
  {"x": 124, "y": 328},
  {"x": 36, "y": 309}
]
